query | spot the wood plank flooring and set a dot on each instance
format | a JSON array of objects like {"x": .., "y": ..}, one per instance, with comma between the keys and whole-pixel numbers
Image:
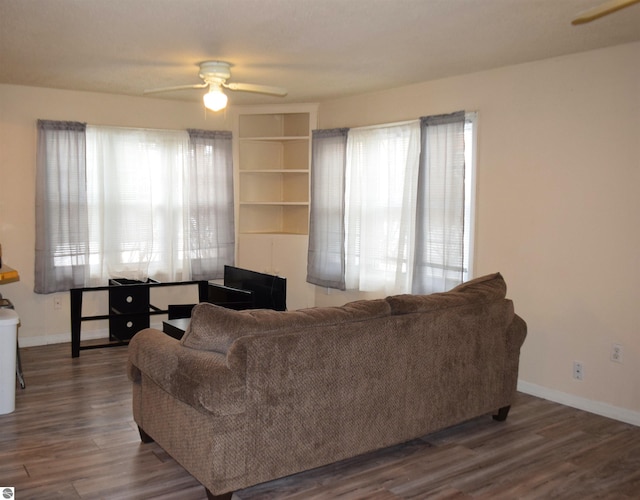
[{"x": 72, "y": 436}]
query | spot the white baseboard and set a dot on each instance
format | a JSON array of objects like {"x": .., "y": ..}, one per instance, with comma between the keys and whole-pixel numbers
[
  {"x": 61, "y": 338},
  {"x": 603, "y": 409}
]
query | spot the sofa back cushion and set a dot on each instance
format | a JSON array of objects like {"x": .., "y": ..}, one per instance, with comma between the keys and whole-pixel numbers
[
  {"x": 485, "y": 289},
  {"x": 215, "y": 328}
]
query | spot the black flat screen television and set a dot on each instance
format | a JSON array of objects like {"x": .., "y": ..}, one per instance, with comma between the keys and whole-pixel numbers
[{"x": 269, "y": 291}]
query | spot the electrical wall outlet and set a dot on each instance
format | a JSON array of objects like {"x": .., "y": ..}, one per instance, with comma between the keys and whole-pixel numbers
[
  {"x": 616, "y": 353},
  {"x": 578, "y": 370},
  {"x": 57, "y": 303}
]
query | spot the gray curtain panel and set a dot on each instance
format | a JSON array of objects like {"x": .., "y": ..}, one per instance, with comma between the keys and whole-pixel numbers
[
  {"x": 61, "y": 206},
  {"x": 326, "y": 260},
  {"x": 439, "y": 252}
]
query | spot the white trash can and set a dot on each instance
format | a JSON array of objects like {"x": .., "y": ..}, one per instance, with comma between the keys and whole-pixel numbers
[{"x": 9, "y": 320}]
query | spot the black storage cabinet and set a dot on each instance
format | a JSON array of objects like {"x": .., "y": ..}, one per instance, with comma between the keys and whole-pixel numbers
[{"x": 129, "y": 305}]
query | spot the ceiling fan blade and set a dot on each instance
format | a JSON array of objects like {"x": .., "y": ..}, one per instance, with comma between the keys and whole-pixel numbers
[
  {"x": 602, "y": 10},
  {"x": 179, "y": 87},
  {"x": 261, "y": 89}
]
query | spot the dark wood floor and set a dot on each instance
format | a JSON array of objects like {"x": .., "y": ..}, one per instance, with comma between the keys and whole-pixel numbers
[{"x": 72, "y": 436}]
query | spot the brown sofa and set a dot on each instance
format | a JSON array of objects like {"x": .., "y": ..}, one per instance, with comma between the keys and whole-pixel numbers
[{"x": 249, "y": 396}]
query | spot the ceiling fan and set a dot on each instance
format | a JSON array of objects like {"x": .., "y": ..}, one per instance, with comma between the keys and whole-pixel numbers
[
  {"x": 602, "y": 10},
  {"x": 215, "y": 75}
]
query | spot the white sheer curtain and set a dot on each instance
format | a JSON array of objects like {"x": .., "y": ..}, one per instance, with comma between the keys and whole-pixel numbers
[
  {"x": 135, "y": 193},
  {"x": 380, "y": 200}
]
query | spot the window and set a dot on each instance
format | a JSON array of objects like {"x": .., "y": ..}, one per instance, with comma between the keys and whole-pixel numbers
[
  {"x": 145, "y": 203},
  {"x": 135, "y": 201},
  {"x": 380, "y": 200},
  {"x": 406, "y": 210}
]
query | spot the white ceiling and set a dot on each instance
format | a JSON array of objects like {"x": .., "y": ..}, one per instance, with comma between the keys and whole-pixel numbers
[{"x": 318, "y": 49}]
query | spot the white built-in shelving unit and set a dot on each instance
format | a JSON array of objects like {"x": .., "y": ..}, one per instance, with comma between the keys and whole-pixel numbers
[{"x": 272, "y": 158}]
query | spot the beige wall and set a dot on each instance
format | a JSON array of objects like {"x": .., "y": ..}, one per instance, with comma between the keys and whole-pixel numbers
[
  {"x": 558, "y": 209},
  {"x": 20, "y": 108}
]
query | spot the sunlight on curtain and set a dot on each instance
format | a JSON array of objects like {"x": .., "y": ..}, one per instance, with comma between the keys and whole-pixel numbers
[
  {"x": 135, "y": 195},
  {"x": 380, "y": 196}
]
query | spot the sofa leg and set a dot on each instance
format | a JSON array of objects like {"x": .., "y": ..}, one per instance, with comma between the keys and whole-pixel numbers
[
  {"x": 224, "y": 496},
  {"x": 502, "y": 414},
  {"x": 144, "y": 437}
]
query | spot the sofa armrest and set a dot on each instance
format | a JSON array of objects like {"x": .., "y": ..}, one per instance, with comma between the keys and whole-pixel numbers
[
  {"x": 516, "y": 335},
  {"x": 198, "y": 378}
]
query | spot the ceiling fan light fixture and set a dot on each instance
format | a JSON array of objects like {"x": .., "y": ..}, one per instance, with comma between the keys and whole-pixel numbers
[
  {"x": 215, "y": 99},
  {"x": 215, "y": 75}
]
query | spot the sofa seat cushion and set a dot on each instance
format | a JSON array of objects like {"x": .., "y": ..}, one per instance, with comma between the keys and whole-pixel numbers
[
  {"x": 480, "y": 290},
  {"x": 215, "y": 328}
]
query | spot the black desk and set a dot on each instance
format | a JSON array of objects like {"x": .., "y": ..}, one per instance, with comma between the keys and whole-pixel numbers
[
  {"x": 129, "y": 310},
  {"x": 175, "y": 327}
]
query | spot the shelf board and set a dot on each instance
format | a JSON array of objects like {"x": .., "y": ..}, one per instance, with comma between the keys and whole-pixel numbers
[
  {"x": 274, "y": 171},
  {"x": 280, "y": 138},
  {"x": 275, "y": 233},
  {"x": 276, "y": 203}
]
